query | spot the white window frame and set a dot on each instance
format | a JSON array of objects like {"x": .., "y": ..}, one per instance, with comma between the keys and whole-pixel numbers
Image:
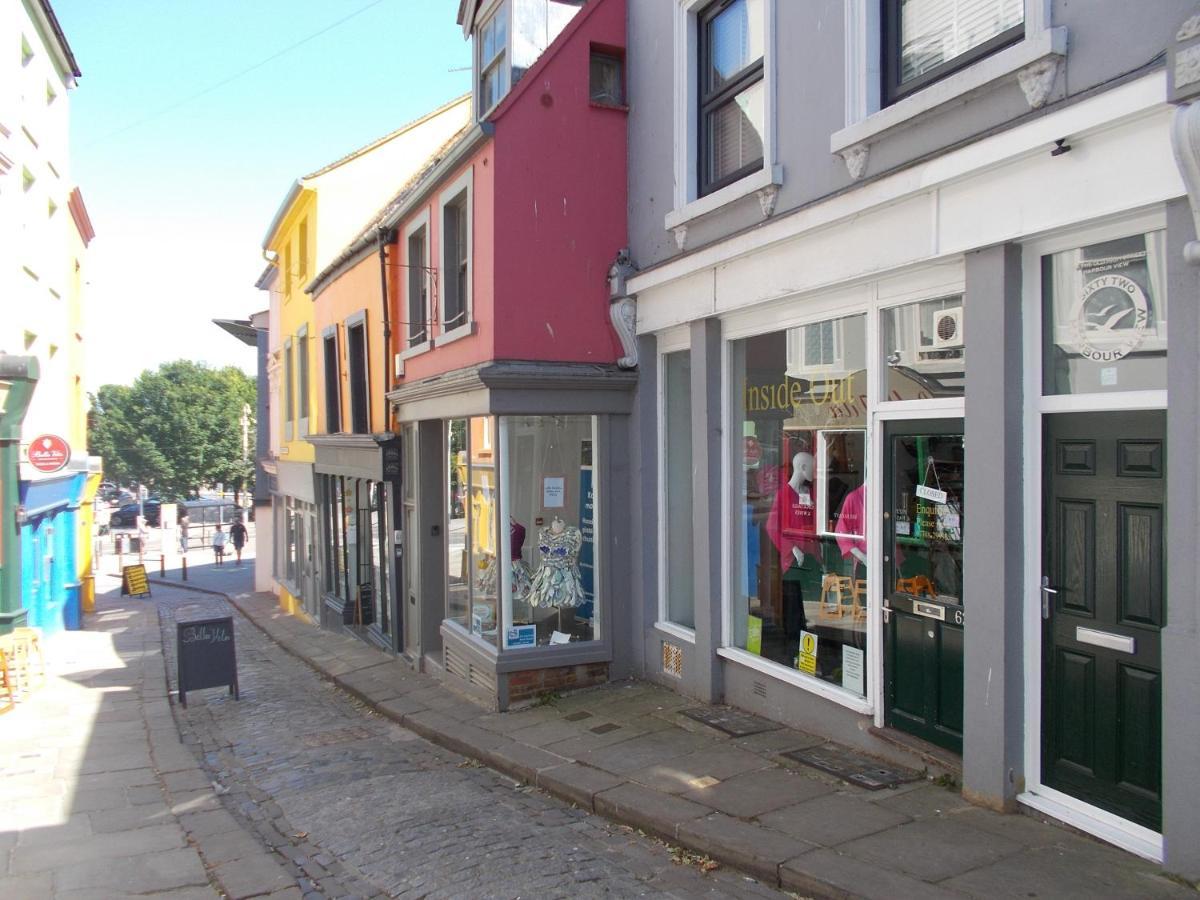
[
  {"x": 421, "y": 221},
  {"x": 866, "y": 120},
  {"x": 464, "y": 183},
  {"x": 674, "y": 341},
  {"x": 329, "y": 333},
  {"x": 688, "y": 205},
  {"x": 357, "y": 320},
  {"x": 303, "y": 384},
  {"x": 483, "y": 18}
]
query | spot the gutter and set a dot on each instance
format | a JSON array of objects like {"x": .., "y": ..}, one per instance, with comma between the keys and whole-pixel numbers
[
  {"x": 420, "y": 192},
  {"x": 292, "y": 194}
]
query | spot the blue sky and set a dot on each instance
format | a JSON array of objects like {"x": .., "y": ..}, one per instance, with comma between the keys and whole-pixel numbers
[{"x": 180, "y": 197}]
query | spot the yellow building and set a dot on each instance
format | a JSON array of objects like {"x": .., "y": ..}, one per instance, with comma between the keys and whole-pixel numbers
[{"x": 320, "y": 215}]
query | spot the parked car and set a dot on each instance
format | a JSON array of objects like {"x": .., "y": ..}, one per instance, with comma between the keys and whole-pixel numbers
[{"x": 126, "y": 516}]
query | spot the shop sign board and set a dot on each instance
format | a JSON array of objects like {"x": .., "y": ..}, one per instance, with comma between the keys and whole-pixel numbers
[
  {"x": 134, "y": 582},
  {"x": 206, "y": 656},
  {"x": 521, "y": 636},
  {"x": 49, "y": 453}
]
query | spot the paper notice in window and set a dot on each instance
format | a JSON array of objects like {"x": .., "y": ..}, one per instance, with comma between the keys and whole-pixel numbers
[
  {"x": 927, "y": 493},
  {"x": 554, "y": 491},
  {"x": 852, "y": 669}
]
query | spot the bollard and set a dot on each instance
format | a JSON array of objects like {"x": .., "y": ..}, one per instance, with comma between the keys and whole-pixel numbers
[
  {"x": 162, "y": 565},
  {"x": 185, "y": 568}
]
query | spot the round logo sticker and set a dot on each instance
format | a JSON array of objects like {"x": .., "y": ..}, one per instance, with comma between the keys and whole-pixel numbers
[
  {"x": 1110, "y": 318},
  {"x": 49, "y": 453}
]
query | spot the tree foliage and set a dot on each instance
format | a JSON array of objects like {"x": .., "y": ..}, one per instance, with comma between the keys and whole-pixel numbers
[{"x": 175, "y": 429}]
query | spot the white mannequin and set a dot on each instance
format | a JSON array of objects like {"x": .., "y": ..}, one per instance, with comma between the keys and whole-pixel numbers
[{"x": 801, "y": 482}]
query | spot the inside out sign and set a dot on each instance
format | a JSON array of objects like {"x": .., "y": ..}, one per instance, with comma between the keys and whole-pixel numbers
[{"x": 49, "y": 453}]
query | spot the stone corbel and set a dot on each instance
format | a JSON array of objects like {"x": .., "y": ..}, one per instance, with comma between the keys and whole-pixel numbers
[
  {"x": 1185, "y": 141},
  {"x": 680, "y": 232},
  {"x": 623, "y": 313},
  {"x": 1037, "y": 81},
  {"x": 766, "y": 199},
  {"x": 855, "y": 159}
]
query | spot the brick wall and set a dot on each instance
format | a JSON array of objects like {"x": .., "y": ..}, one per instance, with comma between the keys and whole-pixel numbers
[{"x": 532, "y": 683}]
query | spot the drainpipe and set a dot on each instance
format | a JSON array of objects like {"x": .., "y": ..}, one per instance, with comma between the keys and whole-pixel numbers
[
  {"x": 18, "y": 378},
  {"x": 385, "y": 236}
]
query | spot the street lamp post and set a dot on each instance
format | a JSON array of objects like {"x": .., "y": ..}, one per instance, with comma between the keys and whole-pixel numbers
[{"x": 18, "y": 378}]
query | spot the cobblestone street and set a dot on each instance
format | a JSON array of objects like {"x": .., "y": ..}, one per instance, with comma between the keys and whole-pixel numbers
[{"x": 356, "y": 805}]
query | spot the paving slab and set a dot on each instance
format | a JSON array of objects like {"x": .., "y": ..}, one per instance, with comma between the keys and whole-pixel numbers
[
  {"x": 576, "y": 782},
  {"x": 932, "y": 849},
  {"x": 521, "y": 760},
  {"x": 829, "y": 874},
  {"x": 35, "y": 886},
  {"x": 147, "y": 872},
  {"x": 114, "y": 845},
  {"x": 684, "y": 773},
  {"x": 638, "y": 752},
  {"x": 655, "y": 812},
  {"x": 251, "y": 876},
  {"x": 752, "y": 848},
  {"x": 832, "y": 819},
  {"x": 755, "y": 793}
]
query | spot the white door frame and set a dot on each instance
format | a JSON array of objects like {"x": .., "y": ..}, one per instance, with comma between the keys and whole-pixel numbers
[{"x": 1104, "y": 825}]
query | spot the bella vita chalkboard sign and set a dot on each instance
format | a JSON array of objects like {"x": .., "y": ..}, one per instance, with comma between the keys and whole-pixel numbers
[{"x": 206, "y": 655}]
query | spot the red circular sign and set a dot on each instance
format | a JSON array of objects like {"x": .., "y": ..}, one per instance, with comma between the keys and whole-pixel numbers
[{"x": 49, "y": 453}]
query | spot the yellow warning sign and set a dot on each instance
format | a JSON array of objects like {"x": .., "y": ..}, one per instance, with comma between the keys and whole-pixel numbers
[
  {"x": 134, "y": 582},
  {"x": 806, "y": 659}
]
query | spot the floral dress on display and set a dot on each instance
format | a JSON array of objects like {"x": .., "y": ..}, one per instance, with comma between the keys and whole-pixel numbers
[{"x": 557, "y": 581}]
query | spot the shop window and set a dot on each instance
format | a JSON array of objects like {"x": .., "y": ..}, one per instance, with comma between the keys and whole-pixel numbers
[
  {"x": 333, "y": 383},
  {"x": 550, "y": 580},
  {"x": 1105, "y": 317},
  {"x": 290, "y": 565},
  {"x": 679, "y": 602},
  {"x": 800, "y": 597},
  {"x": 925, "y": 350},
  {"x": 472, "y": 573},
  {"x": 925, "y": 40},
  {"x": 732, "y": 94},
  {"x": 356, "y": 353}
]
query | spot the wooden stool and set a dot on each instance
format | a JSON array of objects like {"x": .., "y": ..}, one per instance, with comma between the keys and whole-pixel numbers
[
  {"x": 20, "y": 647},
  {"x": 858, "y": 599},
  {"x": 915, "y": 586},
  {"x": 833, "y": 588},
  {"x": 8, "y": 691}
]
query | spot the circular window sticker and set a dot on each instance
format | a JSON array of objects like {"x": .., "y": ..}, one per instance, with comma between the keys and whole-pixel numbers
[{"x": 1110, "y": 318}]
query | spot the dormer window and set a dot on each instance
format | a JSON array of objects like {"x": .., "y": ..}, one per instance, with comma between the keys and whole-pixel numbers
[{"x": 511, "y": 38}]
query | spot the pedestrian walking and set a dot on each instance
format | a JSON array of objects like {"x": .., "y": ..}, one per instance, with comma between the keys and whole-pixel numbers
[
  {"x": 183, "y": 533},
  {"x": 237, "y": 532},
  {"x": 218, "y": 546}
]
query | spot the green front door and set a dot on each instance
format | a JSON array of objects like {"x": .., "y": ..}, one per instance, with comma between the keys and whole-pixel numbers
[
  {"x": 1104, "y": 602},
  {"x": 923, "y": 519}
]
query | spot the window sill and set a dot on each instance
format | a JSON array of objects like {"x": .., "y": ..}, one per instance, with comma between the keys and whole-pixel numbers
[
  {"x": 415, "y": 350},
  {"x": 613, "y": 107},
  {"x": 765, "y": 177},
  {"x": 1005, "y": 63},
  {"x": 679, "y": 632},
  {"x": 454, "y": 334}
]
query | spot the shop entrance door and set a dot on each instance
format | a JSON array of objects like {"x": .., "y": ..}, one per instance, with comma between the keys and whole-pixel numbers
[
  {"x": 1103, "y": 604},
  {"x": 308, "y": 565},
  {"x": 923, "y": 519}
]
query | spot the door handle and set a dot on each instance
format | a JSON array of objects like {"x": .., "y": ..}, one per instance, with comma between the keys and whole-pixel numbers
[{"x": 1047, "y": 591}]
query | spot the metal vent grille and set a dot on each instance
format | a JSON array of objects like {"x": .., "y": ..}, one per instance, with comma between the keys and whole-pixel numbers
[
  {"x": 760, "y": 689},
  {"x": 461, "y": 667},
  {"x": 672, "y": 659}
]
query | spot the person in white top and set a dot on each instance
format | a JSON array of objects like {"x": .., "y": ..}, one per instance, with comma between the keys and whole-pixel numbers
[{"x": 218, "y": 545}]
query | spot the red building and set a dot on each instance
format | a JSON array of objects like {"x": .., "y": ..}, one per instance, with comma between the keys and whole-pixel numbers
[{"x": 513, "y": 360}]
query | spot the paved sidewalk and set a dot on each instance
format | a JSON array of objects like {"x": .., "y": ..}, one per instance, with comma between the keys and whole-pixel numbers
[
  {"x": 98, "y": 797},
  {"x": 625, "y": 752}
]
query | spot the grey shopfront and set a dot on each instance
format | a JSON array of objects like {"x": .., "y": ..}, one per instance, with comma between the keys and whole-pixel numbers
[{"x": 515, "y": 519}]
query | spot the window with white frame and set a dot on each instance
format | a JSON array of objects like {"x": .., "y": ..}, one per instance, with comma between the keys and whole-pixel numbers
[
  {"x": 732, "y": 95},
  {"x": 925, "y": 40},
  {"x": 289, "y": 388},
  {"x": 333, "y": 382},
  {"x": 510, "y": 39},
  {"x": 418, "y": 287},
  {"x": 302, "y": 378},
  {"x": 360, "y": 392},
  {"x": 454, "y": 273},
  {"x": 724, "y": 104}
]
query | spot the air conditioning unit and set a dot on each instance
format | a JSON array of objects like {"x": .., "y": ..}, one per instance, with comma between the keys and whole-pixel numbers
[{"x": 948, "y": 328}]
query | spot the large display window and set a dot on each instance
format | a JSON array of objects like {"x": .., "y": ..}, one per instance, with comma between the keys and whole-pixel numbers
[
  {"x": 548, "y": 576},
  {"x": 472, "y": 589},
  {"x": 800, "y": 588}
]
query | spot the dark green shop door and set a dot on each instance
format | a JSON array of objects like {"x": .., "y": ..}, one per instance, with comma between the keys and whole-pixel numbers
[
  {"x": 923, "y": 518},
  {"x": 1103, "y": 605}
]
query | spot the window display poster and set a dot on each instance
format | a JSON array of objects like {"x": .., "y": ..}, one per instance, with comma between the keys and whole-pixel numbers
[
  {"x": 806, "y": 660},
  {"x": 754, "y": 635},
  {"x": 587, "y": 529},
  {"x": 852, "y": 669},
  {"x": 521, "y": 636},
  {"x": 554, "y": 488}
]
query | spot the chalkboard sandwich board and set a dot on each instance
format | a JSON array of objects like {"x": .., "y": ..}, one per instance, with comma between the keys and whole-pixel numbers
[
  {"x": 134, "y": 582},
  {"x": 206, "y": 655},
  {"x": 360, "y": 610}
]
